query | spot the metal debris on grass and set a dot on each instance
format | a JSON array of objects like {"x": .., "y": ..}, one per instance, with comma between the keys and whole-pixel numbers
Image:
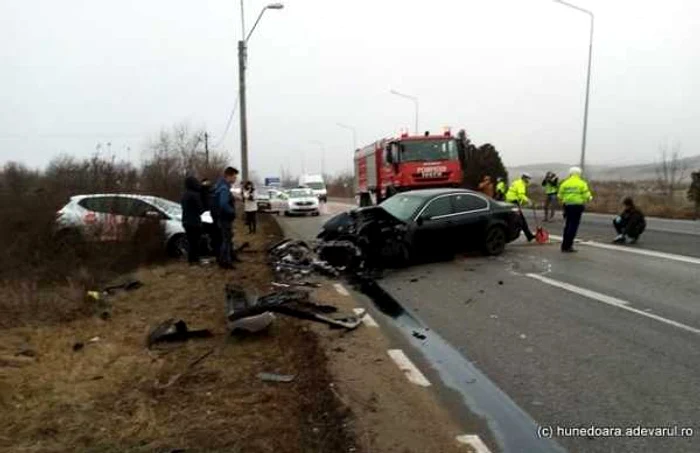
[
  {"x": 174, "y": 331},
  {"x": 274, "y": 377}
]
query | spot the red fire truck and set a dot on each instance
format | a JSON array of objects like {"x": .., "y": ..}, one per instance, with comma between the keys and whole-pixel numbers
[{"x": 393, "y": 165}]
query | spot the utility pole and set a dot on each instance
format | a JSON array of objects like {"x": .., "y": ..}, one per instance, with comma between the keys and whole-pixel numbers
[
  {"x": 242, "y": 50},
  {"x": 206, "y": 148}
]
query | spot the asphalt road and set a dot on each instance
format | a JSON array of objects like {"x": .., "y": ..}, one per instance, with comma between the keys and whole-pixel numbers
[{"x": 605, "y": 338}]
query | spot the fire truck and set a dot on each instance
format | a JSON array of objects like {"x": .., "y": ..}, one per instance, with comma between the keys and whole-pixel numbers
[{"x": 393, "y": 165}]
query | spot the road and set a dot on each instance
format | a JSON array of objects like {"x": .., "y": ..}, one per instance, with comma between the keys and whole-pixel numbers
[{"x": 607, "y": 337}]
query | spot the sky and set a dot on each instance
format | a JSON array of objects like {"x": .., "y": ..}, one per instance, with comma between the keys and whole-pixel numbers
[{"x": 78, "y": 73}]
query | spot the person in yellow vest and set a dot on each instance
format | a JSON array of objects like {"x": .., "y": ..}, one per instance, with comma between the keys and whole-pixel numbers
[
  {"x": 517, "y": 194},
  {"x": 573, "y": 194},
  {"x": 551, "y": 187},
  {"x": 500, "y": 189}
]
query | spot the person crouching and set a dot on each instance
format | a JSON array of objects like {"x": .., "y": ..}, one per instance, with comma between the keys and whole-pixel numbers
[{"x": 630, "y": 224}]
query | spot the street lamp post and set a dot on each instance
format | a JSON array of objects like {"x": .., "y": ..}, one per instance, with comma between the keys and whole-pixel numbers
[
  {"x": 588, "y": 79},
  {"x": 415, "y": 102},
  {"x": 242, "y": 58},
  {"x": 323, "y": 155},
  {"x": 354, "y": 134}
]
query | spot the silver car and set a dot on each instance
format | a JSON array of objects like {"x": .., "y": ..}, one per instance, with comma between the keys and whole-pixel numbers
[{"x": 102, "y": 217}]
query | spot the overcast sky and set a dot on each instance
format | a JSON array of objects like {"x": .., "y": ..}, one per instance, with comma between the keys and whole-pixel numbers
[{"x": 511, "y": 72}]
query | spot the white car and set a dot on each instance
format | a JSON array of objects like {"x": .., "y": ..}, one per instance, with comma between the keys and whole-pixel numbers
[
  {"x": 301, "y": 201},
  {"x": 102, "y": 217},
  {"x": 272, "y": 200}
]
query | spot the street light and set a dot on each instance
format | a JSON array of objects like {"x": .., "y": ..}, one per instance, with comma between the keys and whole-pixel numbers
[
  {"x": 242, "y": 57},
  {"x": 323, "y": 155},
  {"x": 354, "y": 134},
  {"x": 588, "y": 79},
  {"x": 415, "y": 101}
]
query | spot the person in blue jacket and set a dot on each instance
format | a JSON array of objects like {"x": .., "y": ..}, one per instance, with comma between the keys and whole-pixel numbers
[{"x": 224, "y": 213}]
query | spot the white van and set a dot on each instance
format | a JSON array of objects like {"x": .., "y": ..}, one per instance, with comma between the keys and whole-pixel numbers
[{"x": 315, "y": 183}]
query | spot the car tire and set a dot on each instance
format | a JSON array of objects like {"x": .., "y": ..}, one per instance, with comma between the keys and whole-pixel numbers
[
  {"x": 178, "y": 246},
  {"x": 494, "y": 241}
]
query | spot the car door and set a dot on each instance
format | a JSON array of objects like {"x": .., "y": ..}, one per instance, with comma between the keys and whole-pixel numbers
[
  {"x": 471, "y": 216},
  {"x": 131, "y": 212},
  {"x": 95, "y": 215},
  {"x": 434, "y": 227}
]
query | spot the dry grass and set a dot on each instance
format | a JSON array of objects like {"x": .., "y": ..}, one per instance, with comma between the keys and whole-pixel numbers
[{"x": 112, "y": 396}]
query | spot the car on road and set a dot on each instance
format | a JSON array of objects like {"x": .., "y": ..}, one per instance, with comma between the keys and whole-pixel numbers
[
  {"x": 302, "y": 200},
  {"x": 109, "y": 217},
  {"x": 427, "y": 223},
  {"x": 272, "y": 200}
]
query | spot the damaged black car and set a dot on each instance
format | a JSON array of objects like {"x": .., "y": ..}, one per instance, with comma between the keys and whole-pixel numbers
[{"x": 422, "y": 224}]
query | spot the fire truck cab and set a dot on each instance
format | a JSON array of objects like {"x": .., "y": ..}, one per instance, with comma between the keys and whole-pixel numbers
[{"x": 393, "y": 165}]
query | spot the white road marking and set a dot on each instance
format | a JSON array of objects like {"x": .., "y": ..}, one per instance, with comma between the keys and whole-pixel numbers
[
  {"x": 341, "y": 289},
  {"x": 475, "y": 442},
  {"x": 411, "y": 372},
  {"x": 615, "y": 302},
  {"x": 367, "y": 318},
  {"x": 645, "y": 252}
]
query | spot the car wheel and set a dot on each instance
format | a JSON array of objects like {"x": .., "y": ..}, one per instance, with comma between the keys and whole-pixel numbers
[
  {"x": 178, "y": 246},
  {"x": 495, "y": 241}
]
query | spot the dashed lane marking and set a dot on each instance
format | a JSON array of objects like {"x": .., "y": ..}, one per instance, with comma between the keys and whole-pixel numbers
[
  {"x": 615, "y": 302},
  {"x": 367, "y": 318},
  {"x": 341, "y": 289},
  {"x": 475, "y": 442},
  {"x": 411, "y": 372}
]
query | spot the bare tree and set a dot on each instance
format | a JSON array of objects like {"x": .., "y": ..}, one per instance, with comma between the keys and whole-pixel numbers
[{"x": 670, "y": 171}]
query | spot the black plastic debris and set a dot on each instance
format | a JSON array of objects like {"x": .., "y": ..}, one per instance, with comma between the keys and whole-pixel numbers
[
  {"x": 295, "y": 303},
  {"x": 418, "y": 335},
  {"x": 128, "y": 285},
  {"x": 274, "y": 377},
  {"x": 174, "y": 331}
]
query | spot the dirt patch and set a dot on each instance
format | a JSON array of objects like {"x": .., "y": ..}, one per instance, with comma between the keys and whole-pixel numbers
[{"x": 114, "y": 395}]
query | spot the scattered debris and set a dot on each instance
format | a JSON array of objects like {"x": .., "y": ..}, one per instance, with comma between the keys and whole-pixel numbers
[
  {"x": 242, "y": 247},
  {"x": 273, "y": 377},
  {"x": 468, "y": 301},
  {"x": 523, "y": 336},
  {"x": 419, "y": 335},
  {"x": 78, "y": 346},
  {"x": 494, "y": 316},
  {"x": 500, "y": 282},
  {"x": 481, "y": 291},
  {"x": 303, "y": 284},
  {"x": 295, "y": 303},
  {"x": 129, "y": 285},
  {"x": 174, "y": 331},
  {"x": 94, "y": 340},
  {"x": 413, "y": 280}
]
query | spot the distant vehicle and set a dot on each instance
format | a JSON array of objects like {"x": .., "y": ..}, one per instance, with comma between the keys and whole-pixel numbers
[
  {"x": 407, "y": 162},
  {"x": 424, "y": 223},
  {"x": 316, "y": 183},
  {"x": 302, "y": 201},
  {"x": 272, "y": 200},
  {"x": 107, "y": 217}
]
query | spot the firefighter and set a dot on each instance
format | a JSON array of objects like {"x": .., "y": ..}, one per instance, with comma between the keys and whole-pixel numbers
[
  {"x": 551, "y": 187},
  {"x": 500, "y": 189},
  {"x": 573, "y": 194},
  {"x": 517, "y": 194}
]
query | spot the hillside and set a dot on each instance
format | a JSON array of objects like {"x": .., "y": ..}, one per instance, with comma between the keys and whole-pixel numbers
[{"x": 605, "y": 172}]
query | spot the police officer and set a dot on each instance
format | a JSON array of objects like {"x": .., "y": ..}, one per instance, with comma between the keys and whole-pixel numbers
[
  {"x": 500, "y": 189},
  {"x": 573, "y": 194},
  {"x": 517, "y": 194},
  {"x": 551, "y": 187}
]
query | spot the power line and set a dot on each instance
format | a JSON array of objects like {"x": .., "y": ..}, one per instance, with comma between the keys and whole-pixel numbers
[{"x": 228, "y": 123}]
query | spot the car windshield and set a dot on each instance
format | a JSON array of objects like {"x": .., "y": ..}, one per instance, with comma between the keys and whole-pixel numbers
[
  {"x": 402, "y": 206},
  {"x": 316, "y": 185},
  {"x": 428, "y": 150},
  {"x": 169, "y": 207},
  {"x": 300, "y": 193}
]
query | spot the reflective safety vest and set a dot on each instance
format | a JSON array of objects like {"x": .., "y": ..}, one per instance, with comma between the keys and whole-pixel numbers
[
  {"x": 574, "y": 190},
  {"x": 550, "y": 188},
  {"x": 517, "y": 193},
  {"x": 501, "y": 188}
]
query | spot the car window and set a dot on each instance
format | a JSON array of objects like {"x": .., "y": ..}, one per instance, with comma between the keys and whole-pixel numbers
[
  {"x": 467, "y": 202},
  {"x": 133, "y": 207},
  {"x": 98, "y": 204},
  {"x": 437, "y": 207}
]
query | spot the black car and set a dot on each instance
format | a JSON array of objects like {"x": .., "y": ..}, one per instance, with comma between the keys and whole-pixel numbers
[{"x": 429, "y": 222}]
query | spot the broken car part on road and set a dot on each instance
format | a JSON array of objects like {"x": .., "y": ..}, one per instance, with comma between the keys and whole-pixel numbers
[
  {"x": 241, "y": 306},
  {"x": 174, "y": 331}
]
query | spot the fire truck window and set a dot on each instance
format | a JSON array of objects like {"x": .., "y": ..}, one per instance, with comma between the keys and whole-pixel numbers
[
  {"x": 438, "y": 207},
  {"x": 428, "y": 150},
  {"x": 466, "y": 203}
]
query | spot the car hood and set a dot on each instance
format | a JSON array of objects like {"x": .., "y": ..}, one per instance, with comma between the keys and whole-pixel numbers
[
  {"x": 352, "y": 222},
  {"x": 305, "y": 199}
]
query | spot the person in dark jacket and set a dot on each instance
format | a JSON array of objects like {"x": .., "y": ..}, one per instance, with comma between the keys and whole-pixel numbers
[
  {"x": 630, "y": 224},
  {"x": 207, "y": 195},
  {"x": 192, "y": 209},
  {"x": 224, "y": 210}
]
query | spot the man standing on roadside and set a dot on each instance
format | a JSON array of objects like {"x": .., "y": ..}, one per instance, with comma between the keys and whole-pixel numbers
[
  {"x": 225, "y": 212},
  {"x": 192, "y": 210},
  {"x": 574, "y": 194},
  {"x": 551, "y": 187}
]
